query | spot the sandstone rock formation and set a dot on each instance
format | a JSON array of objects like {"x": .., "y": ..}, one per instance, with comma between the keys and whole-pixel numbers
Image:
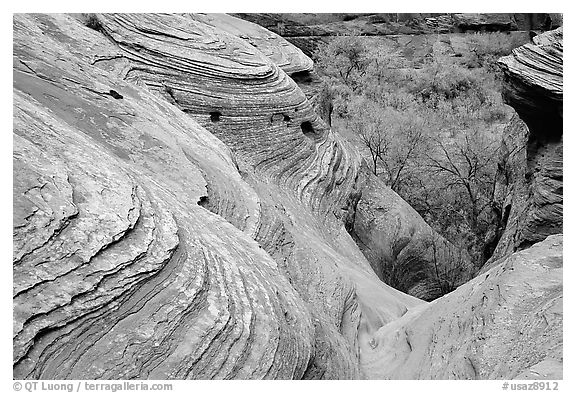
[
  {"x": 327, "y": 24},
  {"x": 276, "y": 48},
  {"x": 505, "y": 22},
  {"x": 531, "y": 165},
  {"x": 322, "y": 180},
  {"x": 504, "y": 324},
  {"x": 143, "y": 246},
  {"x": 485, "y": 22},
  {"x": 179, "y": 209}
]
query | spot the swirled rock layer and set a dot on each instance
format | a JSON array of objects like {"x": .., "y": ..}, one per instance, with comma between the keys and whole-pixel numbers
[
  {"x": 144, "y": 246},
  {"x": 290, "y": 144}
]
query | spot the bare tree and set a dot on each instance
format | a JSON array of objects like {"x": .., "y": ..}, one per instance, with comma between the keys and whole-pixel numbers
[
  {"x": 450, "y": 267},
  {"x": 422, "y": 130},
  {"x": 467, "y": 165},
  {"x": 411, "y": 144},
  {"x": 375, "y": 140},
  {"x": 395, "y": 141},
  {"x": 346, "y": 58}
]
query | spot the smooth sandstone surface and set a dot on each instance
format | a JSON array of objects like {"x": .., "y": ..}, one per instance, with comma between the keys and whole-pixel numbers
[
  {"x": 180, "y": 211},
  {"x": 285, "y": 55},
  {"x": 504, "y": 324}
]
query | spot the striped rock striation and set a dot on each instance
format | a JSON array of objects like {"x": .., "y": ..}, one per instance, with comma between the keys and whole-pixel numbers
[
  {"x": 144, "y": 246},
  {"x": 284, "y": 142},
  {"x": 180, "y": 210}
]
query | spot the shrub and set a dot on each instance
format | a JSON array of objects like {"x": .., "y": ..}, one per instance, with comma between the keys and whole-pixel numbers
[
  {"x": 484, "y": 49},
  {"x": 428, "y": 133}
]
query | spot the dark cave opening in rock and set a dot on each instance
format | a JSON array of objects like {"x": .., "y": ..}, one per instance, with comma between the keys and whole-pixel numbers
[
  {"x": 307, "y": 129},
  {"x": 301, "y": 77},
  {"x": 215, "y": 116},
  {"x": 203, "y": 201},
  {"x": 116, "y": 95}
]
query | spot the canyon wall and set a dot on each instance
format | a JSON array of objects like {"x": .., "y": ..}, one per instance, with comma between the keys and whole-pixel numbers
[
  {"x": 404, "y": 251},
  {"x": 181, "y": 212},
  {"x": 530, "y": 185},
  {"x": 507, "y": 322}
]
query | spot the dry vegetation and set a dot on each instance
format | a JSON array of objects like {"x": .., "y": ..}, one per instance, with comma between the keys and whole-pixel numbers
[{"x": 430, "y": 133}]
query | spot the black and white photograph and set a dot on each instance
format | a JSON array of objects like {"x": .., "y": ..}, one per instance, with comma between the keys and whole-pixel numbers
[{"x": 286, "y": 196}]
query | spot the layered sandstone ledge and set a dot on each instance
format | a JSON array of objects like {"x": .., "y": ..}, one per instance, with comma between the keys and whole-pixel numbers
[{"x": 408, "y": 30}]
